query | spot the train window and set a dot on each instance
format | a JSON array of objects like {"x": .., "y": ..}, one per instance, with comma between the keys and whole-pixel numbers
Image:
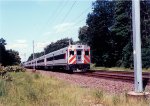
[
  {"x": 71, "y": 53},
  {"x": 49, "y": 59},
  {"x": 61, "y": 56},
  {"x": 86, "y": 52},
  {"x": 78, "y": 52},
  {"x": 39, "y": 61}
]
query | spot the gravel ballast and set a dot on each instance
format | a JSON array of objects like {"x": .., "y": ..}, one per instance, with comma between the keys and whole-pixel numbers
[{"x": 108, "y": 85}]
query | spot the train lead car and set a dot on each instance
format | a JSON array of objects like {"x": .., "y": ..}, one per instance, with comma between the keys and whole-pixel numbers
[{"x": 71, "y": 58}]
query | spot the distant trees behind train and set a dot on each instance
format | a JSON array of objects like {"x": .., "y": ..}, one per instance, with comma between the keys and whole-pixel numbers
[
  {"x": 8, "y": 57},
  {"x": 108, "y": 32},
  {"x": 53, "y": 47}
]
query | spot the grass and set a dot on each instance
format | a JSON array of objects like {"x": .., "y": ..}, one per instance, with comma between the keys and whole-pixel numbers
[
  {"x": 118, "y": 100},
  {"x": 28, "y": 89}
]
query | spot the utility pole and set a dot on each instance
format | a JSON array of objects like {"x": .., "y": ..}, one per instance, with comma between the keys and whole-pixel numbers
[
  {"x": 69, "y": 42},
  {"x": 33, "y": 56},
  {"x": 44, "y": 58},
  {"x": 137, "y": 46},
  {"x": 25, "y": 57}
]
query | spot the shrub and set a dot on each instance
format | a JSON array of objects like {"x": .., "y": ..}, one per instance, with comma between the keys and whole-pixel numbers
[
  {"x": 15, "y": 69},
  {"x": 2, "y": 70}
]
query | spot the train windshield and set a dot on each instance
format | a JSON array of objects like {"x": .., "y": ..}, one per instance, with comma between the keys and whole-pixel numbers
[
  {"x": 78, "y": 52},
  {"x": 71, "y": 53},
  {"x": 86, "y": 52}
]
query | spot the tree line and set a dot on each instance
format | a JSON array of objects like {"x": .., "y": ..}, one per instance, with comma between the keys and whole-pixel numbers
[
  {"x": 8, "y": 57},
  {"x": 53, "y": 46},
  {"x": 108, "y": 32}
]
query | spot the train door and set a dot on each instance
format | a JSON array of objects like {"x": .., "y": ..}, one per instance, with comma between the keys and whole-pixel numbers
[{"x": 79, "y": 56}]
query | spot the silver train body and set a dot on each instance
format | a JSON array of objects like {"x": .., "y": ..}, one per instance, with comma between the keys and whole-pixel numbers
[{"x": 71, "y": 58}]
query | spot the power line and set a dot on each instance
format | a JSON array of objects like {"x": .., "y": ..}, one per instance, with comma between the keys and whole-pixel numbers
[
  {"x": 55, "y": 11},
  {"x": 60, "y": 11},
  {"x": 69, "y": 11},
  {"x": 82, "y": 13},
  {"x": 52, "y": 14},
  {"x": 77, "y": 22}
]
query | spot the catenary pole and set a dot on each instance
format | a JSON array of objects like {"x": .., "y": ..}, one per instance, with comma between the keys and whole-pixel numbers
[
  {"x": 69, "y": 42},
  {"x": 137, "y": 46},
  {"x": 33, "y": 56}
]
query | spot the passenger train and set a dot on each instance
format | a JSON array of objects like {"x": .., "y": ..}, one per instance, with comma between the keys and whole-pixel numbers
[{"x": 71, "y": 58}]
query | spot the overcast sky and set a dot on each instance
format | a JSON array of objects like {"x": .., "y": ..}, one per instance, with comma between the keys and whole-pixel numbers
[{"x": 44, "y": 21}]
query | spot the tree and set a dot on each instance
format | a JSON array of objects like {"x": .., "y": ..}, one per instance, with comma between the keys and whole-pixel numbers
[
  {"x": 52, "y": 47},
  {"x": 122, "y": 34},
  {"x": 97, "y": 32},
  {"x": 2, "y": 42},
  {"x": 8, "y": 57},
  {"x": 2, "y": 50},
  {"x": 145, "y": 33},
  {"x": 36, "y": 55},
  {"x": 12, "y": 57},
  {"x": 57, "y": 45},
  {"x": 109, "y": 33},
  {"x": 83, "y": 37}
]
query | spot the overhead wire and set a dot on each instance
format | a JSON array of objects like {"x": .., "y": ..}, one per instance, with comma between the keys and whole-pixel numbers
[
  {"x": 81, "y": 13},
  {"x": 64, "y": 18},
  {"x": 53, "y": 14},
  {"x": 79, "y": 21},
  {"x": 59, "y": 12}
]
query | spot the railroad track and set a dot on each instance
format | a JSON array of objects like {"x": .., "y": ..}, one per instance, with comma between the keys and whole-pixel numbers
[{"x": 117, "y": 75}]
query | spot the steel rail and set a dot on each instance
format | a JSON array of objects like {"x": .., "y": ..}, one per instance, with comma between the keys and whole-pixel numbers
[{"x": 116, "y": 75}]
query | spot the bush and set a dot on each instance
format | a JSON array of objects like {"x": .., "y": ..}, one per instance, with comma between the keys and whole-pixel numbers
[
  {"x": 15, "y": 69},
  {"x": 2, "y": 70}
]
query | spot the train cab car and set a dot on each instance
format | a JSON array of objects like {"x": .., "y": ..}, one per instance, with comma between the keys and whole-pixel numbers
[
  {"x": 79, "y": 57},
  {"x": 71, "y": 58}
]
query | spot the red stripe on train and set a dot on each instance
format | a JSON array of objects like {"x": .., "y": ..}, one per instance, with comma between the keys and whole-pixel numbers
[
  {"x": 85, "y": 62},
  {"x": 74, "y": 62},
  {"x": 86, "y": 58},
  {"x": 72, "y": 58}
]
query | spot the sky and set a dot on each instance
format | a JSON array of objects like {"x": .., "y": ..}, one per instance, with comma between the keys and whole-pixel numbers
[{"x": 44, "y": 21}]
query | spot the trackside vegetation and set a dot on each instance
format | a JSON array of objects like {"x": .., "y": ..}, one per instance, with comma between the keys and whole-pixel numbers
[
  {"x": 28, "y": 89},
  {"x": 33, "y": 89},
  {"x": 108, "y": 31},
  {"x": 8, "y": 57}
]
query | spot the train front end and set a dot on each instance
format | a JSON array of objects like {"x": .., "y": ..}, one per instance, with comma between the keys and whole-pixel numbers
[{"x": 79, "y": 57}]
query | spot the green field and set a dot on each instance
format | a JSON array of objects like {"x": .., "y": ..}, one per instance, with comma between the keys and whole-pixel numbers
[{"x": 33, "y": 89}]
